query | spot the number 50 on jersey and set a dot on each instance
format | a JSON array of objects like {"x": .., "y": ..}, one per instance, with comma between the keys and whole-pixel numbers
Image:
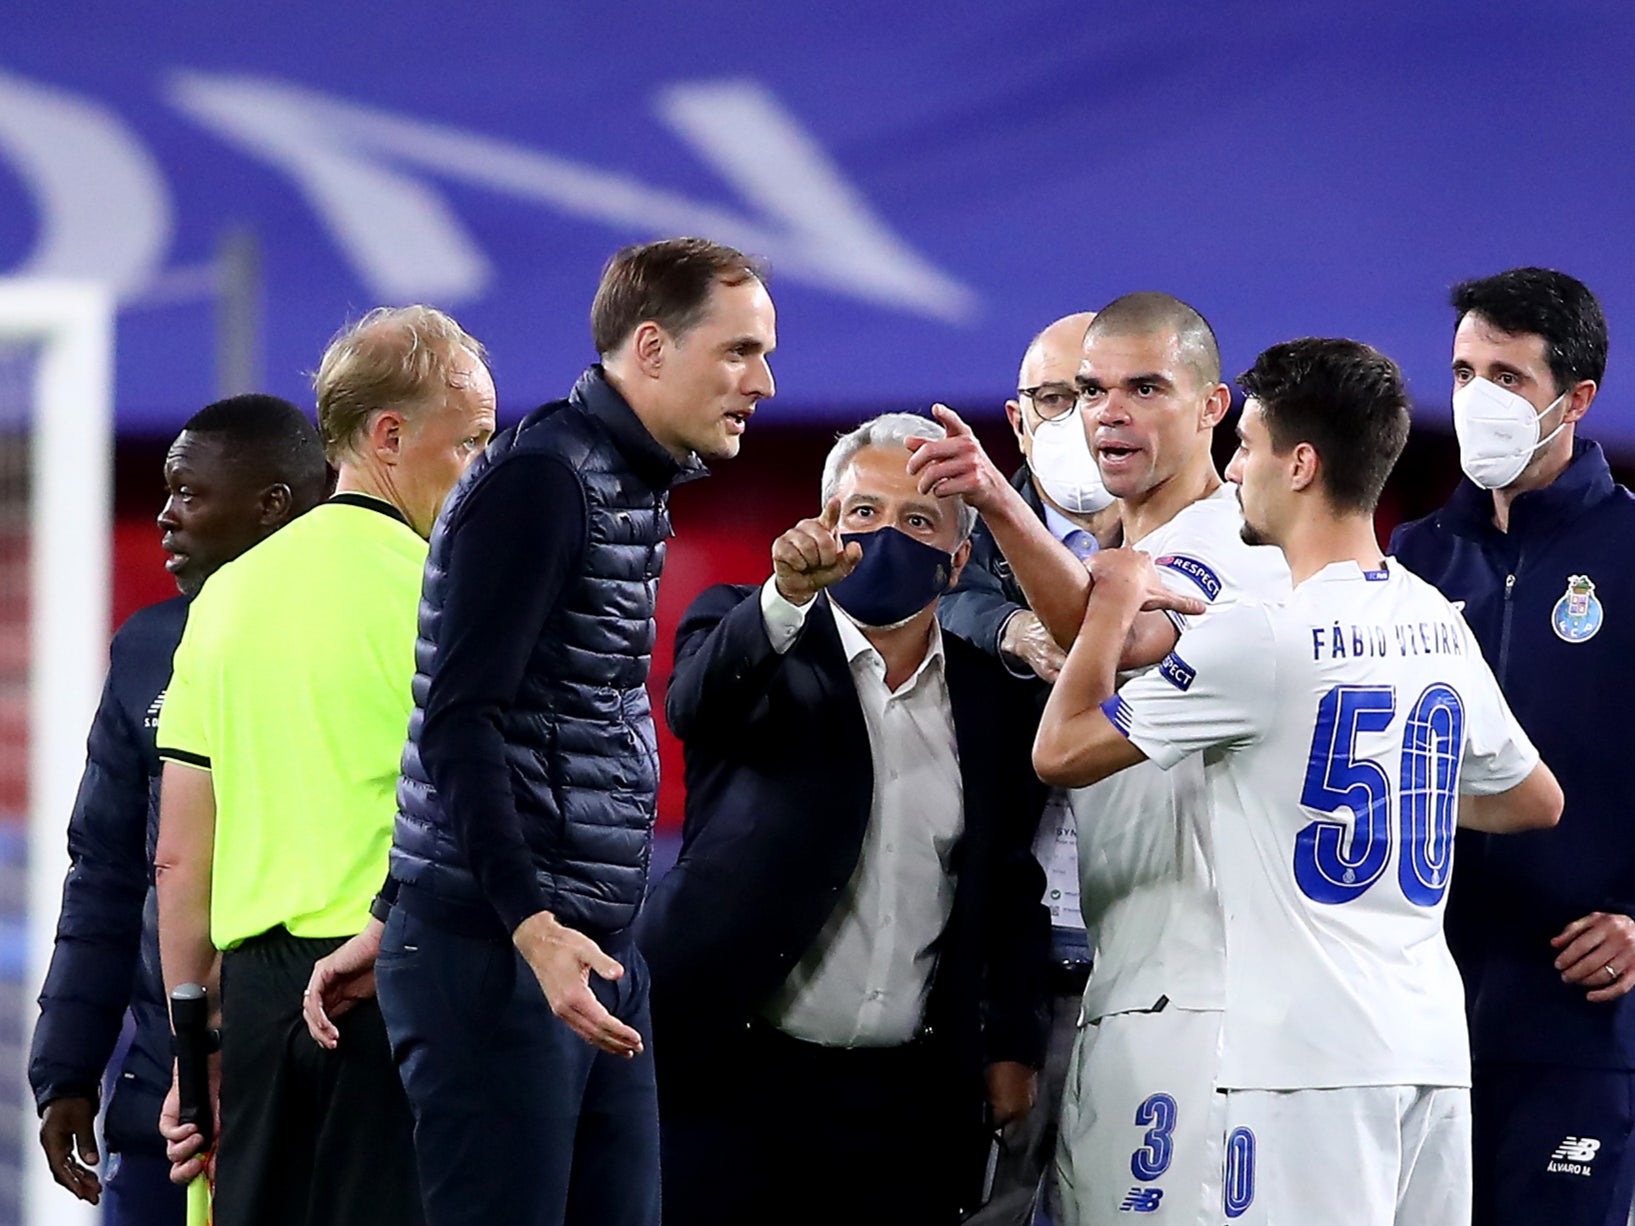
[{"x": 1421, "y": 803}]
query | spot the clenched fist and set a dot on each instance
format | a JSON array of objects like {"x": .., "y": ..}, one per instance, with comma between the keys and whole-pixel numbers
[{"x": 810, "y": 556}]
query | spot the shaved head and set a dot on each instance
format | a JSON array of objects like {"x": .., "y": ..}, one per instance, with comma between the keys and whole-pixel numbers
[
  {"x": 1149, "y": 314},
  {"x": 1064, "y": 338}
]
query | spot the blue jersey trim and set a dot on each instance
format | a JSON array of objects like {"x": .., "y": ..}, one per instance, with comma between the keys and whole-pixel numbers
[{"x": 1117, "y": 710}]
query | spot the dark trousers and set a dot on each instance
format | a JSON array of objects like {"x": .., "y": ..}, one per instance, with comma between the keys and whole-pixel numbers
[
  {"x": 308, "y": 1137},
  {"x": 138, "y": 1192},
  {"x": 770, "y": 1129},
  {"x": 1025, "y": 1165},
  {"x": 1551, "y": 1145},
  {"x": 517, "y": 1119}
]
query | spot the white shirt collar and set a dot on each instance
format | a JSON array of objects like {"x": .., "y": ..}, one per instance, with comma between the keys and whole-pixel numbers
[
  {"x": 1349, "y": 571},
  {"x": 856, "y": 646}
]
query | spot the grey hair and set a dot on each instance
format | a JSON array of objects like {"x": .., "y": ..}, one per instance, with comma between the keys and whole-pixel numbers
[{"x": 888, "y": 430}]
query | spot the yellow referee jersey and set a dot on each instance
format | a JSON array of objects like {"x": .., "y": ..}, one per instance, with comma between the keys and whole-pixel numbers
[{"x": 292, "y": 687}]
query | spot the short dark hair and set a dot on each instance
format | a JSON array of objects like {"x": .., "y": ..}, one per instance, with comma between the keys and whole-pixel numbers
[
  {"x": 668, "y": 282},
  {"x": 270, "y": 441},
  {"x": 1347, "y": 399},
  {"x": 1147, "y": 312},
  {"x": 1543, "y": 302}
]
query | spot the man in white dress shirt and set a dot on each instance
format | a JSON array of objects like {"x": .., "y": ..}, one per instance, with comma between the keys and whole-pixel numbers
[{"x": 848, "y": 959}]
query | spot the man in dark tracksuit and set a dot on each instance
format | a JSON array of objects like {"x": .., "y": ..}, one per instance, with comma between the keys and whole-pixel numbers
[
  {"x": 239, "y": 470},
  {"x": 513, "y": 992},
  {"x": 1536, "y": 544}
]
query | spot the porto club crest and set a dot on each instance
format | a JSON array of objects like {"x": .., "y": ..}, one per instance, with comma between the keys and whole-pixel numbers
[{"x": 1577, "y": 615}]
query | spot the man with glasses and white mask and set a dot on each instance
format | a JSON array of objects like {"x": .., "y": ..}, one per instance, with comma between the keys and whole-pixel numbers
[
  {"x": 1535, "y": 546},
  {"x": 1061, "y": 485},
  {"x": 1059, "y": 482},
  {"x": 1140, "y": 1126}
]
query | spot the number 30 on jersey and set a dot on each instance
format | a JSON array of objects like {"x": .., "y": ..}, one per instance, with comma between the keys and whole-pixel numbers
[{"x": 1331, "y": 869}]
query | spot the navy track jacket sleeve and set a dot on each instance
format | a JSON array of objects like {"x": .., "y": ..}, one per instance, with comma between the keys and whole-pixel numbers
[
  {"x": 99, "y": 934},
  {"x": 978, "y": 607}
]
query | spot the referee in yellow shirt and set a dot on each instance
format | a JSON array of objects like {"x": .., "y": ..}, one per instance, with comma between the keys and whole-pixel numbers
[{"x": 281, "y": 735}]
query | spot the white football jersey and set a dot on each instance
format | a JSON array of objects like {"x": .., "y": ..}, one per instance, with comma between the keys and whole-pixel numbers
[
  {"x": 1147, "y": 891},
  {"x": 1337, "y": 730}
]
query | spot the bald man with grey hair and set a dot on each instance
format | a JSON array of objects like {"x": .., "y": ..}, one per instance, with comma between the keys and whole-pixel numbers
[
  {"x": 1139, "y": 1129},
  {"x": 1060, "y": 483}
]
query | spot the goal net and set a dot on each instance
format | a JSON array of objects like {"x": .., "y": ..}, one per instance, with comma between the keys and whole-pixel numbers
[{"x": 56, "y": 438}]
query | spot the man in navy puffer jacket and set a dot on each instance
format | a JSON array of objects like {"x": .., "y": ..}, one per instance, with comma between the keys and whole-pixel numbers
[{"x": 513, "y": 992}]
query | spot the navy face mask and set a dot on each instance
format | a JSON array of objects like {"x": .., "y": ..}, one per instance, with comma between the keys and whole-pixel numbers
[{"x": 897, "y": 577}]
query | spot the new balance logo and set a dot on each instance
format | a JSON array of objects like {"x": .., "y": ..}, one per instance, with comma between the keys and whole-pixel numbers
[
  {"x": 1142, "y": 1200},
  {"x": 1573, "y": 1156},
  {"x": 1577, "y": 1149}
]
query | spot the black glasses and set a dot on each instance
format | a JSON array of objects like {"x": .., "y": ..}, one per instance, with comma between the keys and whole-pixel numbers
[{"x": 1051, "y": 400}]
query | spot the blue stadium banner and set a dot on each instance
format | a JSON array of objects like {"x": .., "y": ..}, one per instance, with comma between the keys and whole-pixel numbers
[{"x": 930, "y": 188}]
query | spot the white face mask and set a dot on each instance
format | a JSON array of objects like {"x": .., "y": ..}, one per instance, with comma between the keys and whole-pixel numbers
[
  {"x": 1498, "y": 432},
  {"x": 1066, "y": 469}
]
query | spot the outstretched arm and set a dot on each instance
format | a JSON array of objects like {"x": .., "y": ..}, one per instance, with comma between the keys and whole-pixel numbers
[
  {"x": 1056, "y": 583},
  {"x": 1053, "y": 580}
]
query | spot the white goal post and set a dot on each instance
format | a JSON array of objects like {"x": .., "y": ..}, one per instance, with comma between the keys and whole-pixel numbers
[{"x": 70, "y": 329}]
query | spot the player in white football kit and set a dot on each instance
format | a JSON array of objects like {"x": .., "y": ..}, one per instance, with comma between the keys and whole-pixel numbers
[
  {"x": 1140, "y": 1128},
  {"x": 1140, "y": 1124},
  {"x": 1341, "y": 731}
]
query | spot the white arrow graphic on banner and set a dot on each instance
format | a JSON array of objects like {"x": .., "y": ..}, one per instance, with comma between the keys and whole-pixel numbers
[
  {"x": 357, "y": 165},
  {"x": 103, "y": 205}
]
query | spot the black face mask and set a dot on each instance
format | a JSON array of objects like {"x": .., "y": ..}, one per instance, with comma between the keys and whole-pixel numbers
[{"x": 897, "y": 577}]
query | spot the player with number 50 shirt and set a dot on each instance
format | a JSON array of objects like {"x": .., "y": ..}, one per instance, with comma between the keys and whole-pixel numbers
[
  {"x": 1344, "y": 732},
  {"x": 1351, "y": 717}
]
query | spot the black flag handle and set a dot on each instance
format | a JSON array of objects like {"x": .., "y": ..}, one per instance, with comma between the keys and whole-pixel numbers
[{"x": 194, "y": 1043}]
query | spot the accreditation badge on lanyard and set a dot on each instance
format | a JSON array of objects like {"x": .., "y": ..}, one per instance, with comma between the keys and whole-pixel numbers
[{"x": 1056, "y": 847}]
